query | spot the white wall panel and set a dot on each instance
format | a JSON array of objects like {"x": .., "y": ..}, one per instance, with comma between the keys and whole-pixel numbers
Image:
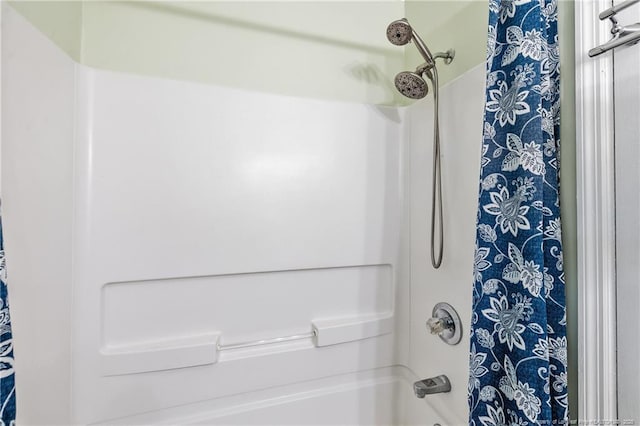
[
  {"x": 190, "y": 189},
  {"x": 461, "y": 133},
  {"x": 37, "y": 147}
]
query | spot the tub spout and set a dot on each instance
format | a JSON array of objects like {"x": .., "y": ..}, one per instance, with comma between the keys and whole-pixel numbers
[{"x": 438, "y": 384}]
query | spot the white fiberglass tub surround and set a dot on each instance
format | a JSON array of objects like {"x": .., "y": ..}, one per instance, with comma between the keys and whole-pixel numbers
[
  {"x": 177, "y": 220},
  {"x": 376, "y": 397}
]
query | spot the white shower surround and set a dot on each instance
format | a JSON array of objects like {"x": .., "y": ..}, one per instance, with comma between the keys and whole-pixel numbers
[{"x": 122, "y": 193}]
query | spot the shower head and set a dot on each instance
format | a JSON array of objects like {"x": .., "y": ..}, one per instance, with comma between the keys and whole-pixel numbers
[
  {"x": 399, "y": 32},
  {"x": 411, "y": 85}
]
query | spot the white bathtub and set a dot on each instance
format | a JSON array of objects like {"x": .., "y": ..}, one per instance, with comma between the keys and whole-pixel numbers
[{"x": 377, "y": 397}]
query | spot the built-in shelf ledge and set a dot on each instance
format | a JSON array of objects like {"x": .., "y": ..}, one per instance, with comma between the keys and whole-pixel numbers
[{"x": 203, "y": 349}]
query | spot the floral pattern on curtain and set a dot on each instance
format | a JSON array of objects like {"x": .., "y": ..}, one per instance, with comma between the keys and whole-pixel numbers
[
  {"x": 518, "y": 356},
  {"x": 7, "y": 378}
]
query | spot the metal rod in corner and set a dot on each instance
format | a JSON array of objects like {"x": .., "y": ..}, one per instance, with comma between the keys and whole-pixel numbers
[
  {"x": 615, "y": 9},
  {"x": 631, "y": 38}
]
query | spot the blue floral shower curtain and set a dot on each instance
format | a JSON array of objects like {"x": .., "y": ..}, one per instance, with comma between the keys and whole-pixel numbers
[
  {"x": 518, "y": 358},
  {"x": 7, "y": 379}
]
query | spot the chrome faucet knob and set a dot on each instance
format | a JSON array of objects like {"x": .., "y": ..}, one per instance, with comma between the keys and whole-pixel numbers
[
  {"x": 445, "y": 322},
  {"x": 438, "y": 325}
]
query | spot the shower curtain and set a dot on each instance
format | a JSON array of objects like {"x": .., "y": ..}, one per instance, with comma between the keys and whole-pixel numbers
[
  {"x": 7, "y": 379},
  {"x": 518, "y": 357}
]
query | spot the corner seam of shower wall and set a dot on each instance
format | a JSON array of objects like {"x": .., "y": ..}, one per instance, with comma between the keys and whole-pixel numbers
[
  {"x": 80, "y": 203},
  {"x": 408, "y": 129},
  {"x": 74, "y": 181}
]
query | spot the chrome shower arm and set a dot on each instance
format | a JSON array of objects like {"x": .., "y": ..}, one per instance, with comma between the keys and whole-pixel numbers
[
  {"x": 446, "y": 56},
  {"x": 428, "y": 56}
]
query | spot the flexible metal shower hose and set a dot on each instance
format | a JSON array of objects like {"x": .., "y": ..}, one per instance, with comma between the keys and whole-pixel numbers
[{"x": 436, "y": 188}]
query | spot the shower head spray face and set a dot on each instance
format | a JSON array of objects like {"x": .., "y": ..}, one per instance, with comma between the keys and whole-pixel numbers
[
  {"x": 399, "y": 32},
  {"x": 411, "y": 85}
]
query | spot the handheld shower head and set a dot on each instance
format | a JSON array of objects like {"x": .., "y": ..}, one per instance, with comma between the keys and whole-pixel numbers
[
  {"x": 411, "y": 85},
  {"x": 399, "y": 32}
]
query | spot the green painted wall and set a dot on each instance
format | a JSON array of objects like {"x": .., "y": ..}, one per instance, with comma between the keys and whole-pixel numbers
[
  {"x": 296, "y": 48},
  {"x": 309, "y": 48},
  {"x": 61, "y": 21},
  {"x": 322, "y": 49},
  {"x": 446, "y": 24}
]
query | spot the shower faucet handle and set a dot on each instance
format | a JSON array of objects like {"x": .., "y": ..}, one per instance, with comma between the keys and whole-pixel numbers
[
  {"x": 438, "y": 325},
  {"x": 445, "y": 322}
]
